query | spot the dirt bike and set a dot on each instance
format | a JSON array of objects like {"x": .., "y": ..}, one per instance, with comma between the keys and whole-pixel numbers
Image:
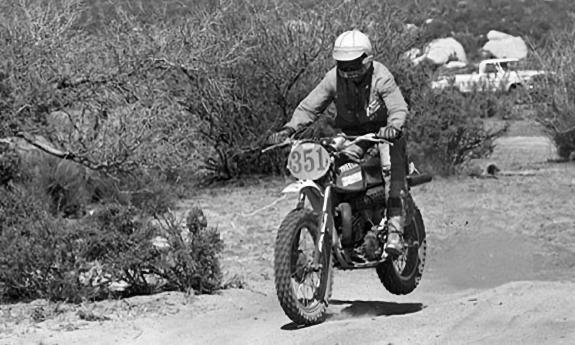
[{"x": 339, "y": 221}]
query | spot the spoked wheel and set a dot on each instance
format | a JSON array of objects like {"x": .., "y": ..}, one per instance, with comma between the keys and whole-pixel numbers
[
  {"x": 402, "y": 274},
  {"x": 302, "y": 289}
]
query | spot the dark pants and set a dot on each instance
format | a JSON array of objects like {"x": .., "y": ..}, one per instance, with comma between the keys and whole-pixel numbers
[
  {"x": 398, "y": 171},
  {"x": 399, "y": 166}
]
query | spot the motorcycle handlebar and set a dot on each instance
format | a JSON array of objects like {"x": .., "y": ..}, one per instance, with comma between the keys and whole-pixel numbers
[
  {"x": 352, "y": 140},
  {"x": 371, "y": 137},
  {"x": 287, "y": 142}
]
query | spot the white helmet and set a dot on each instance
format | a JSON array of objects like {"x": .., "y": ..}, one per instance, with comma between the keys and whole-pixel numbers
[{"x": 350, "y": 45}]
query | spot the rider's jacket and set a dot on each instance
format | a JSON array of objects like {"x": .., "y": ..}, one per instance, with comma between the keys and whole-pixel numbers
[{"x": 386, "y": 104}]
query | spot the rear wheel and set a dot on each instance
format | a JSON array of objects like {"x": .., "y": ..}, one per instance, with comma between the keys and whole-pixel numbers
[
  {"x": 303, "y": 291},
  {"x": 402, "y": 274}
]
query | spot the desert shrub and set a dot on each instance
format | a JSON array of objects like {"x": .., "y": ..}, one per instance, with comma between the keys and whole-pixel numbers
[
  {"x": 150, "y": 191},
  {"x": 186, "y": 258},
  {"x": 65, "y": 183},
  {"x": 198, "y": 91},
  {"x": 447, "y": 128},
  {"x": 554, "y": 92},
  {"x": 99, "y": 97},
  {"x": 48, "y": 257},
  {"x": 192, "y": 260},
  {"x": 10, "y": 165},
  {"x": 38, "y": 252}
]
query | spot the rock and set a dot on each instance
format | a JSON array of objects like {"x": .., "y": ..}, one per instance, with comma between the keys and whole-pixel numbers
[
  {"x": 410, "y": 27},
  {"x": 27, "y": 152},
  {"x": 480, "y": 168},
  {"x": 502, "y": 45},
  {"x": 160, "y": 242},
  {"x": 118, "y": 286},
  {"x": 441, "y": 51},
  {"x": 412, "y": 54},
  {"x": 455, "y": 64}
]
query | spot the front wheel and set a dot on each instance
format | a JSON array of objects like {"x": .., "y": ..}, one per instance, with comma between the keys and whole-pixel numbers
[
  {"x": 303, "y": 290},
  {"x": 402, "y": 274}
]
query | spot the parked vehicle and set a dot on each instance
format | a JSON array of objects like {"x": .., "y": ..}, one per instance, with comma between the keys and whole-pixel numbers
[
  {"x": 492, "y": 75},
  {"x": 339, "y": 221}
]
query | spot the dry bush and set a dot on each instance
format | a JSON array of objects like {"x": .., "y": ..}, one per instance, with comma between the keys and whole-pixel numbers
[
  {"x": 446, "y": 128},
  {"x": 47, "y": 257},
  {"x": 38, "y": 256},
  {"x": 554, "y": 93},
  {"x": 102, "y": 98},
  {"x": 198, "y": 91}
]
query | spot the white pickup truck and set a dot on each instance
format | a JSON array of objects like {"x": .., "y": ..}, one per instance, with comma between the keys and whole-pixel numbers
[{"x": 493, "y": 75}]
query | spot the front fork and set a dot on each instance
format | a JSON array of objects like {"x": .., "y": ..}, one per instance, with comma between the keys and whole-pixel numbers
[{"x": 327, "y": 228}]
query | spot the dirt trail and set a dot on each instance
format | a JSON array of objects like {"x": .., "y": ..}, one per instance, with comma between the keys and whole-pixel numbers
[{"x": 500, "y": 270}]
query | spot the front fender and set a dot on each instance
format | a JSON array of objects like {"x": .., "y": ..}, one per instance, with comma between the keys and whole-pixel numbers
[
  {"x": 312, "y": 191},
  {"x": 321, "y": 202}
]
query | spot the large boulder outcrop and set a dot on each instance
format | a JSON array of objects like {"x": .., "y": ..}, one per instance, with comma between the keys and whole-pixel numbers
[
  {"x": 502, "y": 45},
  {"x": 441, "y": 51}
]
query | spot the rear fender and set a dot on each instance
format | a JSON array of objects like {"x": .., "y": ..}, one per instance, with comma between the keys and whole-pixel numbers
[{"x": 311, "y": 190}]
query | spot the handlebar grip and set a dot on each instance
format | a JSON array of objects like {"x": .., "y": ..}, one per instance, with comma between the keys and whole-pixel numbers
[{"x": 416, "y": 180}]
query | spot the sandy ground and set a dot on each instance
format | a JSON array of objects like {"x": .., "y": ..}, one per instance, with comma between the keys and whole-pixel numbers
[{"x": 500, "y": 270}]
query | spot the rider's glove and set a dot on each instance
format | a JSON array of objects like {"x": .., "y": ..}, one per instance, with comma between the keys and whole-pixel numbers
[
  {"x": 280, "y": 137},
  {"x": 389, "y": 133}
]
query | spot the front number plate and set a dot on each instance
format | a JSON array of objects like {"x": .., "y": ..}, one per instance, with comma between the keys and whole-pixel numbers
[{"x": 308, "y": 161}]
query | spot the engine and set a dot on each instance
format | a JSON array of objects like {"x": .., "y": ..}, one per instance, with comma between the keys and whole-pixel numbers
[{"x": 373, "y": 198}]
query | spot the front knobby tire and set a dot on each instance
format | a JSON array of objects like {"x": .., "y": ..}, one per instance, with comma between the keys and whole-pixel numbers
[
  {"x": 402, "y": 274},
  {"x": 303, "y": 292}
]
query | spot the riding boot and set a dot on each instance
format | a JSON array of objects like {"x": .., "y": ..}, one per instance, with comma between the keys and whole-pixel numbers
[
  {"x": 395, "y": 225},
  {"x": 395, "y": 218}
]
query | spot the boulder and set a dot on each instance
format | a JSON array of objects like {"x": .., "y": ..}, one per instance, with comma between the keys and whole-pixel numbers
[
  {"x": 412, "y": 54},
  {"x": 481, "y": 168},
  {"x": 441, "y": 51},
  {"x": 502, "y": 45},
  {"x": 455, "y": 64},
  {"x": 410, "y": 27}
]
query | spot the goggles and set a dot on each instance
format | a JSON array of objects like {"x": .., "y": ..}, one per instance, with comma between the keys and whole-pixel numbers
[{"x": 355, "y": 68}]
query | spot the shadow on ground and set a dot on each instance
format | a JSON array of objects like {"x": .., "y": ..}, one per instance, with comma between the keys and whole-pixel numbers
[
  {"x": 355, "y": 309},
  {"x": 360, "y": 309}
]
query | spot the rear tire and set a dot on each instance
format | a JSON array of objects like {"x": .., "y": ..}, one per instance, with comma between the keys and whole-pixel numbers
[
  {"x": 302, "y": 292},
  {"x": 402, "y": 274}
]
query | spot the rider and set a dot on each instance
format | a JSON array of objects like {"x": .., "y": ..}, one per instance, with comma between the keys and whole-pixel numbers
[{"x": 367, "y": 100}]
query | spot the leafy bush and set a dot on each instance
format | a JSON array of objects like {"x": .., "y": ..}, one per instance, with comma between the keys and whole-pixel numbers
[
  {"x": 447, "y": 128},
  {"x": 38, "y": 251},
  {"x": 10, "y": 165},
  {"x": 114, "y": 252},
  {"x": 192, "y": 260}
]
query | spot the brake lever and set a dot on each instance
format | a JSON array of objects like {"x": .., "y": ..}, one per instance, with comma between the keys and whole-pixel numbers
[
  {"x": 286, "y": 142},
  {"x": 370, "y": 138}
]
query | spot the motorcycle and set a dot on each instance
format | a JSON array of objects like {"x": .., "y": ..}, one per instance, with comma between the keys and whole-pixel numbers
[{"x": 339, "y": 222}]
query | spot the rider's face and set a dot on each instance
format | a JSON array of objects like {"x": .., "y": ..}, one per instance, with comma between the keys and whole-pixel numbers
[
  {"x": 352, "y": 69},
  {"x": 350, "y": 66}
]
